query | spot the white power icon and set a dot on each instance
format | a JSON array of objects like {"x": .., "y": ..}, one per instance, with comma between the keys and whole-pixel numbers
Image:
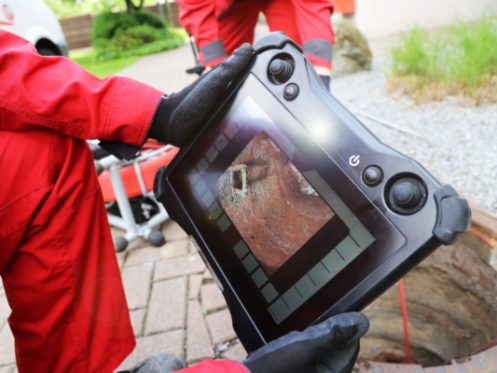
[{"x": 354, "y": 160}]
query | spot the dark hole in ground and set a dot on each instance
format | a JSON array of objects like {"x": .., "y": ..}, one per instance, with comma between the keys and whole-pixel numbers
[{"x": 452, "y": 307}]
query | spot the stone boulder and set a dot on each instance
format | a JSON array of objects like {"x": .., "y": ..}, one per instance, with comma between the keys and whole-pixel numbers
[{"x": 351, "y": 51}]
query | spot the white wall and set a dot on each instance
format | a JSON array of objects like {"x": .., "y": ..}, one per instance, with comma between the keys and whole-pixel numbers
[{"x": 378, "y": 18}]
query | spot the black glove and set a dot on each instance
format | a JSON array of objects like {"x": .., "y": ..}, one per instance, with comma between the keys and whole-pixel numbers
[
  {"x": 180, "y": 114},
  {"x": 331, "y": 346}
]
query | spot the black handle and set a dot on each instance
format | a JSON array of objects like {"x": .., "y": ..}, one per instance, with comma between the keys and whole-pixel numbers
[{"x": 453, "y": 215}]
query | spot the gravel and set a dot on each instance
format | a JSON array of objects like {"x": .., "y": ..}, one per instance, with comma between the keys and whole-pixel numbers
[{"x": 456, "y": 143}]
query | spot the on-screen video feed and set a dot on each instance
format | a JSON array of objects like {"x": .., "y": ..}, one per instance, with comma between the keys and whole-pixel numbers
[{"x": 274, "y": 208}]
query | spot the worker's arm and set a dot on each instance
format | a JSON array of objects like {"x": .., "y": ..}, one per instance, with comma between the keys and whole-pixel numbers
[
  {"x": 56, "y": 93},
  {"x": 199, "y": 18}
]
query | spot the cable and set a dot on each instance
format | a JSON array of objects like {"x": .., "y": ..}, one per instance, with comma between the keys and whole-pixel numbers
[{"x": 407, "y": 343}]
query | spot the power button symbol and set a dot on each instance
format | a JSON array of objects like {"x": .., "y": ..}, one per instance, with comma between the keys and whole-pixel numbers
[{"x": 354, "y": 160}]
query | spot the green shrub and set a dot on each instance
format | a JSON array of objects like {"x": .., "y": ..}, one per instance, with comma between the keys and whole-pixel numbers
[
  {"x": 175, "y": 38},
  {"x": 136, "y": 36},
  {"x": 106, "y": 25},
  {"x": 147, "y": 18},
  {"x": 119, "y": 34}
]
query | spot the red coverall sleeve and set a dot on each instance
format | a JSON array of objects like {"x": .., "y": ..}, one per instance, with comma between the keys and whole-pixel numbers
[
  {"x": 56, "y": 93},
  {"x": 216, "y": 366}
]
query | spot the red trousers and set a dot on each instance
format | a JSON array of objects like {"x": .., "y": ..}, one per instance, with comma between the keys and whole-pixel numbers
[
  {"x": 62, "y": 281},
  {"x": 232, "y": 23}
]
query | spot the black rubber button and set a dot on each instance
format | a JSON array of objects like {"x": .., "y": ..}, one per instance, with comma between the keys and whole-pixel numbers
[
  {"x": 291, "y": 91},
  {"x": 407, "y": 195},
  {"x": 372, "y": 175},
  {"x": 280, "y": 70}
]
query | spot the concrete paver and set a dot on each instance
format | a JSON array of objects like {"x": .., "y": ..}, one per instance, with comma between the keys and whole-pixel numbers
[
  {"x": 143, "y": 255},
  {"x": 212, "y": 298},
  {"x": 220, "y": 326},
  {"x": 121, "y": 257},
  {"x": 8, "y": 369},
  {"x": 207, "y": 275},
  {"x": 7, "y": 351},
  {"x": 235, "y": 352},
  {"x": 137, "y": 318},
  {"x": 179, "y": 266},
  {"x": 198, "y": 342},
  {"x": 172, "y": 231},
  {"x": 175, "y": 248},
  {"x": 136, "y": 281},
  {"x": 195, "y": 281},
  {"x": 167, "y": 308},
  {"x": 4, "y": 310}
]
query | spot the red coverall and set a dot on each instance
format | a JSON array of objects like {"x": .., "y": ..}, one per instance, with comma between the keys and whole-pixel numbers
[
  {"x": 57, "y": 260},
  {"x": 221, "y": 26}
]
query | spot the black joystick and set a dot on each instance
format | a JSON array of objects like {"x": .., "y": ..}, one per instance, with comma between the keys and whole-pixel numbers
[
  {"x": 407, "y": 195},
  {"x": 280, "y": 70}
]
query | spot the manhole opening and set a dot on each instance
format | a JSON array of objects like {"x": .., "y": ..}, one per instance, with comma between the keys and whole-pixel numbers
[{"x": 452, "y": 306}]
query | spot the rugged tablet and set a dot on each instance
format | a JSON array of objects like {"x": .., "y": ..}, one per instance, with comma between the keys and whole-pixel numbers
[{"x": 299, "y": 211}]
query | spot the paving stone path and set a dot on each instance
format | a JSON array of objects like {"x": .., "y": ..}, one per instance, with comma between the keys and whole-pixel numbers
[{"x": 174, "y": 304}]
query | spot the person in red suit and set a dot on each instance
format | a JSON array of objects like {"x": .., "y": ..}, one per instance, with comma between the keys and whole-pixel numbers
[
  {"x": 221, "y": 26},
  {"x": 57, "y": 259}
]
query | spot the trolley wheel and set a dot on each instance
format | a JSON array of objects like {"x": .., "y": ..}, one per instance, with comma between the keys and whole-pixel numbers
[
  {"x": 120, "y": 243},
  {"x": 156, "y": 238}
]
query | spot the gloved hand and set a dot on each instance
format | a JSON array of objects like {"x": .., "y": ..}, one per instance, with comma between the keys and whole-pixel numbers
[
  {"x": 331, "y": 346},
  {"x": 180, "y": 114}
]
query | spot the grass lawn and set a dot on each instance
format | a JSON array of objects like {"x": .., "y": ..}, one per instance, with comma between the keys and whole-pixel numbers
[
  {"x": 460, "y": 60},
  {"x": 87, "y": 59}
]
